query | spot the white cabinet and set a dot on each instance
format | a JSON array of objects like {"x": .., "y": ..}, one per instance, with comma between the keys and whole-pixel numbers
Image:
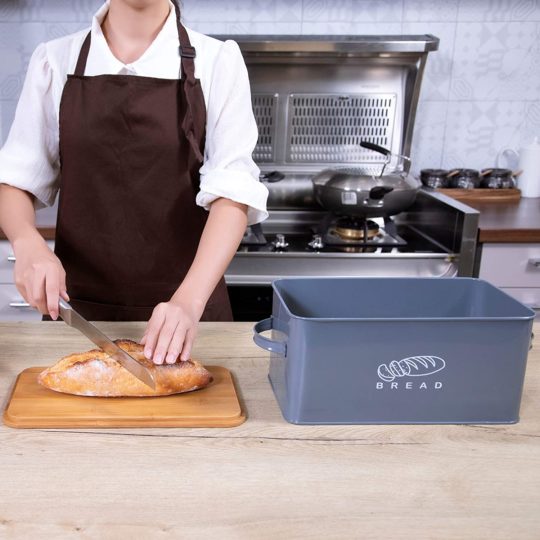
[
  {"x": 515, "y": 268},
  {"x": 12, "y": 306}
]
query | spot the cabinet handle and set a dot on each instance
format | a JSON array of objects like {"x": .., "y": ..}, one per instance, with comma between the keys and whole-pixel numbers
[
  {"x": 19, "y": 304},
  {"x": 535, "y": 263},
  {"x": 11, "y": 258}
]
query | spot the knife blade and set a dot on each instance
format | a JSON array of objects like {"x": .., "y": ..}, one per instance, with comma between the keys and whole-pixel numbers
[{"x": 77, "y": 321}]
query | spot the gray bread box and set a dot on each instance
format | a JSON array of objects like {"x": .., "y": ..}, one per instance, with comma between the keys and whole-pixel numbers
[{"x": 396, "y": 350}]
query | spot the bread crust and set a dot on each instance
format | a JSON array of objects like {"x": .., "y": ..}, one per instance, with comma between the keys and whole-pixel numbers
[{"x": 95, "y": 373}]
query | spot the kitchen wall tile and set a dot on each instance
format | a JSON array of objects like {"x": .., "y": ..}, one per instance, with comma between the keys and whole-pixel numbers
[
  {"x": 327, "y": 10},
  {"x": 430, "y": 10},
  {"x": 496, "y": 61},
  {"x": 436, "y": 82},
  {"x": 48, "y": 10},
  {"x": 68, "y": 11},
  {"x": 17, "y": 43},
  {"x": 355, "y": 10},
  {"x": 531, "y": 124},
  {"x": 242, "y": 10},
  {"x": 377, "y": 10},
  {"x": 60, "y": 29},
  {"x": 499, "y": 10},
  {"x": 7, "y": 113},
  {"x": 428, "y": 138},
  {"x": 330, "y": 28},
  {"x": 216, "y": 28},
  {"x": 476, "y": 131}
]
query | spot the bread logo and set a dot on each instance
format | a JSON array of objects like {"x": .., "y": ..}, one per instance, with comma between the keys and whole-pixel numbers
[{"x": 414, "y": 366}]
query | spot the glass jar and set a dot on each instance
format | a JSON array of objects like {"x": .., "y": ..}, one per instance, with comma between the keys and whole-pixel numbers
[
  {"x": 434, "y": 178},
  {"x": 464, "y": 179},
  {"x": 497, "y": 179}
]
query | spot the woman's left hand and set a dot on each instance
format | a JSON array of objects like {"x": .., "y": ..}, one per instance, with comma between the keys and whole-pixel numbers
[{"x": 171, "y": 330}]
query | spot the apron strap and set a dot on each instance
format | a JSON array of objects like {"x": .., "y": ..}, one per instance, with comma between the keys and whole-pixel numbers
[
  {"x": 83, "y": 56},
  {"x": 191, "y": 88}
]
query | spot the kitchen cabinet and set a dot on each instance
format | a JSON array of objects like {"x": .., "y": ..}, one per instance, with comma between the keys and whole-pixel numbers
[
  {"x": 509, "y": 248},
  {"x": 515, "y": 268},
  {"x": 13, "y": 307},
  {"x": 266, "y": 478}
]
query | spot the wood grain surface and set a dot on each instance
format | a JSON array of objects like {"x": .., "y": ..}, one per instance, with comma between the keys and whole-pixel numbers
[
  {"x": 33, "y": 406},
  {"x": 483, "y": 195},
  {"x": 264, "y": 479},
  {"x": 517, "y": 222}
]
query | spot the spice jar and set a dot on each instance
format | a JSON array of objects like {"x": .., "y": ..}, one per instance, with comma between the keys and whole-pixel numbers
[
  {"x": 464, "y": 179},
  {"x": 434, "y": 178},
  {"x": 497, "y": 178}
]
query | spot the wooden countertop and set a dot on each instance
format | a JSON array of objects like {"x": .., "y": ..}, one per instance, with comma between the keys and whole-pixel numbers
[
  {"x": 499, "y": 222},
  {"x": 509, "y": 222},
  {"x": 265, "y": 478},
  {"x": 47, "y": 232}
]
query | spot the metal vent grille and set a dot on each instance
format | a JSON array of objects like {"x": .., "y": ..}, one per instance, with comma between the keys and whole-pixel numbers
[
  {"x": 264, "y": 110},
  {"x": 329, "y": 127}
]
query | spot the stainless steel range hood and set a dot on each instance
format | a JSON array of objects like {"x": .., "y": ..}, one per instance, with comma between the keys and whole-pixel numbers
[
  {"x": 334, "y": 44},
  {"x": 315, "y": 97}
]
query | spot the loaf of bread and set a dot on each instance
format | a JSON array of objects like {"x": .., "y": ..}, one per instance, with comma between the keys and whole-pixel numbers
[{"x": 95, "y": 373}]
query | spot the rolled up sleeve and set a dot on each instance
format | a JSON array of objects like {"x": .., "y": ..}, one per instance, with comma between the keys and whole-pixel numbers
[
  {"x": 29, "y": 159},
  {"x": 231, "y": 135}
]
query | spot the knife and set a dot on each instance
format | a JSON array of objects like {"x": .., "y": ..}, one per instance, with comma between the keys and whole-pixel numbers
[{"x": 76, "y": 320}]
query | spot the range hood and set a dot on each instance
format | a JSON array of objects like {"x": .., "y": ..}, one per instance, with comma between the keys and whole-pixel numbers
[{"x": 315, "y": 97}]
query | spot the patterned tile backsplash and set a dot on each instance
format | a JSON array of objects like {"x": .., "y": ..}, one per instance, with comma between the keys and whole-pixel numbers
[{"x": 481, "y": 90}]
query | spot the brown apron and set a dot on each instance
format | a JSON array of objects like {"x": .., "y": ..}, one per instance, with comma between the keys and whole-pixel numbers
[{"x": 128, "y": 227}]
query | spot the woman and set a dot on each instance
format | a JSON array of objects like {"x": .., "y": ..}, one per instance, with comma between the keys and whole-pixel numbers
[{"x": 117, "y": 121}]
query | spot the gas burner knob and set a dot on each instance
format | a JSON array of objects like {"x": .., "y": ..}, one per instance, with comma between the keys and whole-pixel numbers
[
  {"x": 317, "y": 242},
  {"x": 280, "y": 242}
]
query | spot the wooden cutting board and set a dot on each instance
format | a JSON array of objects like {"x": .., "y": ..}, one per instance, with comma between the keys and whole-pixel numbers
[{"x": 33, "y": 406}]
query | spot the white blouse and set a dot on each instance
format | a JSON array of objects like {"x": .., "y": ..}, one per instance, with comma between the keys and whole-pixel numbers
[{"x": 29, "y": 159}]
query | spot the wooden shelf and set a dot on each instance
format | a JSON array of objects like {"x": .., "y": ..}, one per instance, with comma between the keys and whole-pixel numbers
[{"x": 483, "y": 195}]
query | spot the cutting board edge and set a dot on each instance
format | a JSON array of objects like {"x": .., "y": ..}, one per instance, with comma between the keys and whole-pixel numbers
[{"x": 207, "y": 423}]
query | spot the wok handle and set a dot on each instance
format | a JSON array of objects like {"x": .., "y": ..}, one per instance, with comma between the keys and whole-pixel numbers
[
  {"x": 272, "y": 345},
  {"x": 375, "y": 148}
]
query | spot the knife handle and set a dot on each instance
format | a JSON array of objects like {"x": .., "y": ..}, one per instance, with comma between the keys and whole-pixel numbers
[
  {"x": 65, "y": 310},
  {"x": 63, "y": 304}
]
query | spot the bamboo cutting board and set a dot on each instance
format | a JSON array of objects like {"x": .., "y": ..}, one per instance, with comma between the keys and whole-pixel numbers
[{"x": 33, "y": 406}]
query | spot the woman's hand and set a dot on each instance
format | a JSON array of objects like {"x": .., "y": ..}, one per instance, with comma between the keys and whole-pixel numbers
[
  {"x": 39, "y": 275},
  {"x": 171, "y": 330}
]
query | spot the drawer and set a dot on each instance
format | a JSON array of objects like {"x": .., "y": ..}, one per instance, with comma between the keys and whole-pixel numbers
[
  {"x": 7, "y": 260},
  {"x": 12, "y": 306},
  {"x": 529, "y": 297},
  {"x": 511, "y": 265}
]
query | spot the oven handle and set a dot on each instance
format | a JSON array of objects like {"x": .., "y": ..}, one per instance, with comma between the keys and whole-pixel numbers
[{"x": 272, "y": 345}]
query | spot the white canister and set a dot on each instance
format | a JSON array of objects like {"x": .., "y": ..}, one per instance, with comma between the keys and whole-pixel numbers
[{"x": 529, "y": 165}]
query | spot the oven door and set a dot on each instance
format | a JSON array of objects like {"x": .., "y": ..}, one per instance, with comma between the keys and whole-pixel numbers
[{"x": 250, "y": 302}]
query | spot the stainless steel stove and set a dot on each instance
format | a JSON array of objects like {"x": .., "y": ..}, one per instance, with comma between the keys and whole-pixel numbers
[
  {"x": 315, "y": 98},
  {"x": 436, "y": 237}
]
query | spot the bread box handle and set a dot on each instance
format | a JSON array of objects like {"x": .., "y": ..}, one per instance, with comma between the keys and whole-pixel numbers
[{"x": 272, "y": 345}]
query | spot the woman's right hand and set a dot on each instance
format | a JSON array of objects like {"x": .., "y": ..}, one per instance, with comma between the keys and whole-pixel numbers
[{"x": 39, "y": 275}]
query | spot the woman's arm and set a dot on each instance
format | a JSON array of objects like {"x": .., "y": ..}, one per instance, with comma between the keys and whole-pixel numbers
[
  {"x": 39, "y": 275},
  {"x": 29, "y": 164},
  {"x": 172, "y": 328}
]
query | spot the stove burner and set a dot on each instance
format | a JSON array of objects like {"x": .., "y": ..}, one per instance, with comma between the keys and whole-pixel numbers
[
  {"x": 347, "y": 231},
  {"x": 355, "y": 229}
]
